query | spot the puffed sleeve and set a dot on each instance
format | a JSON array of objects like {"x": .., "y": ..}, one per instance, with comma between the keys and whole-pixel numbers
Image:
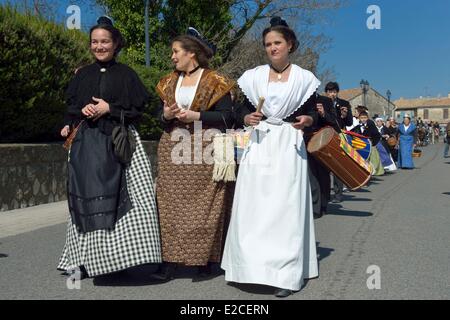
[
  {"x": 73, "y": 113},
  {"x": 133, "y": 99}
]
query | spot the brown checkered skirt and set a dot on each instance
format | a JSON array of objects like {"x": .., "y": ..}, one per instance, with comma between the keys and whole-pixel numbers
[{"x": 193, "y": 209}]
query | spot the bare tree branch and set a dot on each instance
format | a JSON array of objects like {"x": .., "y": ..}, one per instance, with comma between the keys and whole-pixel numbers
[{"x": 255, "y": 10}]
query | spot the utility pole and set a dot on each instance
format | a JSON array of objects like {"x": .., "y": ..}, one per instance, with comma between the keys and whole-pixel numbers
[{"x": 147, "y": 36}]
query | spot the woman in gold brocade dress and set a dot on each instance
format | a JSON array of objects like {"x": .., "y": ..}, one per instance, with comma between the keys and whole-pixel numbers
[{"x": 193, "y": 209}]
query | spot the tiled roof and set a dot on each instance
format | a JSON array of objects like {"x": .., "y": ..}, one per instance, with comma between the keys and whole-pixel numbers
[
  {"x": 422, "y": 103},
  {"x": 349, "y": 94}
]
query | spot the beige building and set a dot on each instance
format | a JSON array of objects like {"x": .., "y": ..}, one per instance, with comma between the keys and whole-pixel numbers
[
  {"x": 375, "y": 102},
  {"x": 428, "y": 109}
]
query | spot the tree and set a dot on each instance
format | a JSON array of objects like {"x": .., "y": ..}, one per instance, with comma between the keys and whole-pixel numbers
[
  {"x": 225, "y": 22},
  {"x": 167, "y": 19},
  {"x": 212, "y": 18},
  {"x": 37, "y": 59},
  {"x": 41, "y": 8},
  {"x": 129, "y": 18},
  {"x": 248, "y": 12},
  {"x": 235, "y": 27},
  {"x": 250, "y": 51}
]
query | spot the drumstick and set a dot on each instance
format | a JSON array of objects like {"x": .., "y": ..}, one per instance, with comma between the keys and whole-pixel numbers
[{"x": 260, "y": 104}]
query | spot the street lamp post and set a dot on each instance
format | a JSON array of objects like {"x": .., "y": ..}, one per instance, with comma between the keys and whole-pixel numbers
[
  {"x": 388, "y": 94},
  {"x": 147, "y": 36},
  {"x": 365, "y": 87}
]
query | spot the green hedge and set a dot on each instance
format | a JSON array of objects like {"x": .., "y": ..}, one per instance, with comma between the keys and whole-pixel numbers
[
  {"x": 149, "y": 128},
  {"x": 37, "y": 59}
]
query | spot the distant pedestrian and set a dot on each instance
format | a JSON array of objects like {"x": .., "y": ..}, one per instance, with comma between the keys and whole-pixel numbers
[
  {"x": 447, "y": 140},
  {"x": 436, "y": 132},
  {"x": 407, "y": 143}
]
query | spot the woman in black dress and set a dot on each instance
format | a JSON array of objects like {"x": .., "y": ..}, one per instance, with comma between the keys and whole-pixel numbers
[{"x": 113, "y": 219}]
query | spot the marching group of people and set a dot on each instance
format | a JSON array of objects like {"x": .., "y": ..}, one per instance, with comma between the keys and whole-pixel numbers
[
  {"x": 259, "y": 228},
  {"x": 428, "y": 133}
]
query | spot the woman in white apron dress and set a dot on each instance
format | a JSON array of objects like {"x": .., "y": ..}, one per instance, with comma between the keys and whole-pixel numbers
[{"x": 270, "y": 240}]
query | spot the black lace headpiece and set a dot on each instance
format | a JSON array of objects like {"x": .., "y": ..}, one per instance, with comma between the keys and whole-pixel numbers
[{"x": 194, "y": 33}]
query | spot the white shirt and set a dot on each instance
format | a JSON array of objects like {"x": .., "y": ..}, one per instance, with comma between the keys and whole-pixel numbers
[
  {"x": 379, "y": 129},
  {"x": 275, "y": 97},
  {"x": 363, "y": 128},
  {"x": 354, "y": 124},
  {"x": 300, "y": 86},
  {"x": 184, "y": 96}
]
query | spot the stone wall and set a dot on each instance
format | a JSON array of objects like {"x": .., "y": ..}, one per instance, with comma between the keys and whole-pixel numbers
[
  {"x": 376, "y": 103},
  {"x": 33, "y": 174},
  {"x": 434, "y": 114}
]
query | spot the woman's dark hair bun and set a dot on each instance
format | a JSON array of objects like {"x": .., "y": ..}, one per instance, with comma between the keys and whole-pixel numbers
[
  {"x": 278, "y": 21},
  {"x": 105, "y": 20}
]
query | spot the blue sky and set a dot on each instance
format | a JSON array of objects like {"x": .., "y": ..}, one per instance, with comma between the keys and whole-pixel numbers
[{"x": 409, "y": 55}]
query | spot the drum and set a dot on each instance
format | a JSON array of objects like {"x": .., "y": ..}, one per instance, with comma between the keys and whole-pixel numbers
[
  {"x": 392, "y": 142},
  {"x": 339, "y": 157},
  {"x": 360, "y": 143}
]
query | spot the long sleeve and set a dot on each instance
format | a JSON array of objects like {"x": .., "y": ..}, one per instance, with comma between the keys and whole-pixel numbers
[
  {"x": 220, "y": 115},
  {"x": 133, "y": 101},
  {"x": 329, "y": 119},
  {"x": 73, "y": 113},
  {"x": 309, "y": 108},
  {"x": 348, "y": 120},
  {"x": 241, "y": 110},
  {"x": 391, "y": 131},
  {"x": 163, "y": 122},
  {"x": 357, "y": 129},
  {"x": 68, "y": 120},
  {"x": 330, "y": 116},
  {"x": 373, "y": 132}
]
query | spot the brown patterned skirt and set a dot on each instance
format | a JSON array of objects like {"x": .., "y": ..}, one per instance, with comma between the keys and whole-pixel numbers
[{"x": 193, "y": 209}]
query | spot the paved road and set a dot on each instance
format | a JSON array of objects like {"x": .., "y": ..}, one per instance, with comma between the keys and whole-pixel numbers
[{"x": 400, "y": 223}]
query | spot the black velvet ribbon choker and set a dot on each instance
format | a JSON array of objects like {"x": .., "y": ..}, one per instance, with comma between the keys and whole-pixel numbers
[
  {"x": 193, "y": 70},
  {"x": 277, "y": 71}
]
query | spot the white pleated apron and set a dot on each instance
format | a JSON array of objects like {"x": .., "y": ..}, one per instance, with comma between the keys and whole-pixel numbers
[{"x": 271, "y": 238}]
